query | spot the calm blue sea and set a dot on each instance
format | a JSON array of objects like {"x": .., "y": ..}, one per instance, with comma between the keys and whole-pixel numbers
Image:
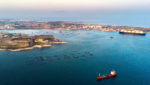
[{"x": 79, "y": 62}]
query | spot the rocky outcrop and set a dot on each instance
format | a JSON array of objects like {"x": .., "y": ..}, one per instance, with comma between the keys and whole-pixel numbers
[{"x": 28, "y": 42}]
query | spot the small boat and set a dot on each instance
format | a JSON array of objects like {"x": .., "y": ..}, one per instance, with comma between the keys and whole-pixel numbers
[
  {"x": 111, "y": 37},
  {"x": 111, "y": 75}
]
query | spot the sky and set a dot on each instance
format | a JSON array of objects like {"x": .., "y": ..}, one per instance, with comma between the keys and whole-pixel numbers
[{"x": 69, "y": 7}]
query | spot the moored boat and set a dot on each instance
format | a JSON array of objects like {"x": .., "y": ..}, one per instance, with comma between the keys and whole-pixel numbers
[
  {"x": 132, "y": 31},
  {"x": 111, "y": 75}
]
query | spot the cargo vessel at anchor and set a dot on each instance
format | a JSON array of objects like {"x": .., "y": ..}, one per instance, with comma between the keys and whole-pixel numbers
[
  {"x": 132, "y": 32},
  {"x": 111, "y": 75}
]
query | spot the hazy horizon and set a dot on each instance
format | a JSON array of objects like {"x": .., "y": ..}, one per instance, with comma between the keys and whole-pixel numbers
[
  {"x": 60, "y": 8},
  {"x": 112, "y": 12}
]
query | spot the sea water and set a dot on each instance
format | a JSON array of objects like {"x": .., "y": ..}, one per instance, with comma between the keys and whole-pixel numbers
[{"x": 79, "y": 62}]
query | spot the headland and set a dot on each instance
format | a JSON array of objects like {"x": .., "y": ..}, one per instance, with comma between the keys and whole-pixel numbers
[{"x": 19, "y": 42}]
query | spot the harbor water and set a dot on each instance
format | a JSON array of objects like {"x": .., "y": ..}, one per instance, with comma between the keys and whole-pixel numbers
[{"x": 79, "y": 62}]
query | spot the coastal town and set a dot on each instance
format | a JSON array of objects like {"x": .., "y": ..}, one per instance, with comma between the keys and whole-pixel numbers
[{"x": 60, "y": 25}]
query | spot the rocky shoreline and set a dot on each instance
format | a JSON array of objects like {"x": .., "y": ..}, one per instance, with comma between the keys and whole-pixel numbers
[
  {"x": 20, "y": 42},
  {"x": 33, "y": 47},
  {"x": 64, "y": 25}
]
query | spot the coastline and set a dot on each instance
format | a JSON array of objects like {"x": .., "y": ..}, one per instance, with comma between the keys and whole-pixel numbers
[
  {"x": 27, "y": 48},
  {"x": 33, "y": 47},
  {"x": 66, "y": 30},
  {"x": 60, "y": 42}
]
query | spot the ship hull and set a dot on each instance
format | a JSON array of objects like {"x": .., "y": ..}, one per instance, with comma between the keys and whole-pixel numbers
[
  {"x": 106, "y": 76},
  {"x": 143, "y": 34}
]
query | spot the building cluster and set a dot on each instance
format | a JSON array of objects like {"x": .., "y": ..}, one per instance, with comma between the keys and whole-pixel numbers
[
  {"x": 27, "y": 24},
  {"x": 10, "y": 35},
  {"x": 15, "y": 41},
  {"x": 7, "y": 26}
]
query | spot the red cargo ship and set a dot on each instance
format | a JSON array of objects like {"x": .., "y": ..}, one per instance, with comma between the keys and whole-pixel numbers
[{"x": 112, "y": 74}]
